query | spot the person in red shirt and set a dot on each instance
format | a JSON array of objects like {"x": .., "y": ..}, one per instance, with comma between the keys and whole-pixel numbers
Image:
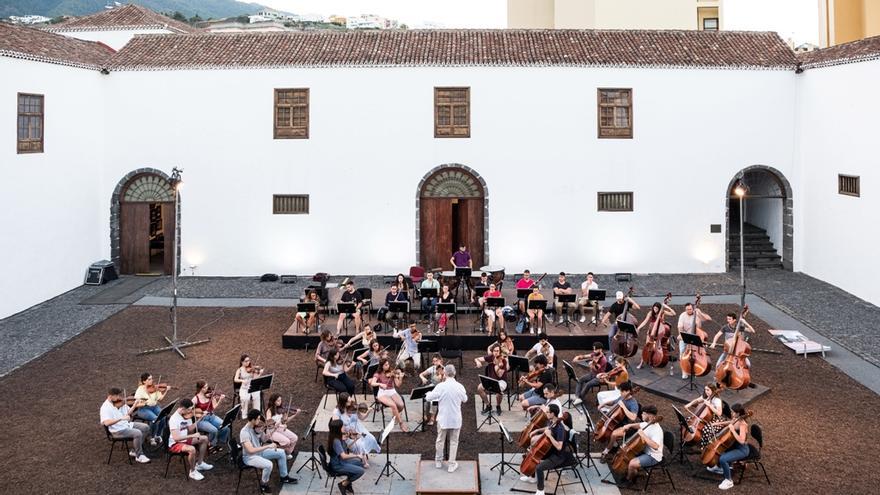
[
  {"x": 525, "y": 282},
  {"x": 493, "y": 314}
]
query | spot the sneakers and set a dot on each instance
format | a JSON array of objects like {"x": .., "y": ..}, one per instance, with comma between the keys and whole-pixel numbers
[
  {"x": 715, "y": 469},
  {"x": 561, "y": 319},
  {"x": 578, "y": 401},
  {"x": 593, "y": 320},
  {"x": 454, "y": 465},
  {"x": 289, "y": 456},
  {"x": 288, "y": 479},
  {"x": 528, "y": 479},
  {"x": 498, "y": 410},
  {"x": 583, "y": 318},
  {"x": 195, "y": 475},
  {"x": 438, "y": 464},
  {"x": 204, "y": 466},
  {"x": 726, "y": 485},
  {"x": 265, "y": 488},
  {"x": 539, "y": 492},
  {"x": 132, "y": 453},
  {"x": 142, "y": 459},
  {"x": 684, "y": 376}
]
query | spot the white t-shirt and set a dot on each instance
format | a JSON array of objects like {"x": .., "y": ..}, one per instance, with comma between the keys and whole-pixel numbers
[
  {"x": 537, "y": 349},
  {"x": 591, "y": 286},
  {"x": 655, "y": 433},
  {"x": 109, "y": 411},
  {"x": 558, "y": 404},
  {"x": 177, "y": 423}
]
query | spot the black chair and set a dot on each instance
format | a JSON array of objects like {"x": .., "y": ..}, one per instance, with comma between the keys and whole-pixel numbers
[
  {"x": 668, "y": 444},
  {"x": 366, "y": 302},
  {"x": 113, "y": 440},
  {"x": 378, "y": 406},
  {"x": 332, "y": 474},
  {"x": 452, "y": 349},
  {"x": 368, "y": 375},
  {"x": 235, "y": 397},
  {"x": 331, "y": 390},
  {"x": 754, "y": 456},
  {"x": 171, "y": 455},
  {"x": 572, "y": 466},
  {"x": 598, "y": 387},
  {"x": 238, "y": 460}
]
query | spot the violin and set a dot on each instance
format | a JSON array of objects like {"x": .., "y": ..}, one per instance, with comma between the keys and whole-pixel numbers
[
  {"x": 695, "y": 360},
  {"x": 129, "y": 401},
  {"x": 733, "y": 372},
  {"x": 626, "y": 345},
  {"x": 535, "y": 373},
  {"x": 611, "y": 421},
  {"x": 722, "y": 442},
  {"x": 159, "y": 387},
  {"x": 630, "y": 449},
  {"x": 656, "y": 349},
  {"x": 252, "y": 368}
]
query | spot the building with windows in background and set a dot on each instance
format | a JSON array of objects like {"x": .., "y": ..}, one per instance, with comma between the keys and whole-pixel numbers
[
  {"x": 842, "y": 21},
  {"x": 614, "y": 14}
]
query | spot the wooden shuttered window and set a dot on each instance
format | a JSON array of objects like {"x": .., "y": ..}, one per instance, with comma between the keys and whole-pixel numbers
[
  {"x": 615, "y": 201},
  {"x": 30, "y": 123},
  {"x": 615, "y": 113},
  {"x": 848, "y": 185},
  {"x": 452, "y": 112},
  {"x": 292, "y": 113},
  {"x": 290, "y": 204}
]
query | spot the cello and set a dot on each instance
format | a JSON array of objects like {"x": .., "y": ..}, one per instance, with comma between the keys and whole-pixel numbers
[
  {"x": 699, "y": 417},
  {"x": 733, "y": 372},
  {"x": 539, "y": 420},
  {"x": 722, "y": 442},
  {"x": 630, "y": 449},
  {"x": 611, "y": 421},
  {"x": 539, "y": 452},
  {"x": 656, "y": 349},
  {"x": 694, "y": 360},
  {"x": 628, "y": 344}
]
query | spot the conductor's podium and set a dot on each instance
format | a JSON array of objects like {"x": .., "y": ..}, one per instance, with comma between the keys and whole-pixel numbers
[{"x": 464, "y": 481}]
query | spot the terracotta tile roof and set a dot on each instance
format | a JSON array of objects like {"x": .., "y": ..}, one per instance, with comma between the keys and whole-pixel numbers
[
  {"x": 36, "y": 44},
  {"x": 847, "y": 53},
  {"x": 585, "y": 48},
  {"x": 126, "y": 17}
]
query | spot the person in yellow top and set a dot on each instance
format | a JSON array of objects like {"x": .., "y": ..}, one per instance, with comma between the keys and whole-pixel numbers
[
  {"x": 535, "y": 313},
  {"x": 151, "y": 394}
]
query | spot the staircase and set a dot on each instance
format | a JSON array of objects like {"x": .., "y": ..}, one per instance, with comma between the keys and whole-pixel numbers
[{"x": 759, "y": 251}]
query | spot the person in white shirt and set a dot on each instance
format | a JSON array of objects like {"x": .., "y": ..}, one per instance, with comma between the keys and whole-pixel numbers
[
  {"x": 185, "y": 437},
  {"x": 652, "y": 434},
  {"x": 116, "y": 416},
  {"x": 542, "y": 347},
  {"x": 449, "y": 395},
  {"x": 584, "y": 301}
]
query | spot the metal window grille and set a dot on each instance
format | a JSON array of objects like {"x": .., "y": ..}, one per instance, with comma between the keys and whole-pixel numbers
[
  {"x": 290, "y": 204},
  {"x": 615, "y": 201},
  {"x": 848, "y": 185}
]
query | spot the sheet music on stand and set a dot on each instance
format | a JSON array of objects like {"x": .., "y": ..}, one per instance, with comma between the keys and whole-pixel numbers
[{"x": 388, "y": 429}]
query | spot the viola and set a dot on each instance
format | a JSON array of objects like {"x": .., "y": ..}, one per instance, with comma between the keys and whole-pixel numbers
[
  {"x": 695, "y": 360},
  {"x": 619, "y": 374},
  {"x": 656, "y": 349},
  {"x": 611, "y": 421},
  {"x": 722, "y": 442},
  {"x": 733, "y": 372},
  {"x": 539, "y": 420},
  {"x": 626, "y": 345},
  {"x": 630, "y": 449}
]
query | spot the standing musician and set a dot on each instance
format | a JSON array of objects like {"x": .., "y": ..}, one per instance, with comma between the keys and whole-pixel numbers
[
  {"x": 304, "y": 320},
  {"x": 260, "y": 456},
  {"x": 652, "y": 435},
  {"x": 598, "y": 365},
  {"x": 386, "y": 379},
  {"x": 350, "y": 295},
  {"x": 560, "y": 451},
  {"x": 410, "y": 349},
  {"x": 184, "y": 437},
  {"x": 462, "y": 259},
  {"x": 727, "y": 332},
  {"x": 584, "y": 302},
  {"x": 445, "y": 297},
  {"x": 543, "y": 347},
  {"x": 614, "y": 312},
  {"x": 713, "y": 403},
  {"x": 505, "y": 342},
  {"x": 686, "y": 325},
  {"x": 739, "y": 426},
  {"x": 496, "y": 367},
  {"x": 540, "y": 377},
  {"x": 525, "y": 282},
  {"x": 449, "y": 394},
  {"x": 493, "y": 314},
  {"x": 630, "y": 408},
  {"x": 335, "y": 373},
  {"x": 395, "y": 295},
  {"x": 562, "y": 286},
  {"x": 276, "y": 425},
  {"x": 429, "y": 303},
  {"x": 535, "y": 313},
  {"x": 658, "y": 310},
  {"x": 151, "y": 393},
  {"x": 206, "y": 400},
  {"x": 116, "y": 416},
  {"x": 244, "y": 374}
]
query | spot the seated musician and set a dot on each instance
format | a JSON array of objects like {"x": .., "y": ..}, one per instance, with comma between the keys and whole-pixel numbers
[
  {"x": 410, "y": 349},
  {"x": 560, "y": 451},
  {"x": 350, "y": 295},
  {"x": 536, "y": 316},
  {"x": 403, "y": 283},
  {"x": 433, "y": 374},
  {"x": 327, "y": 343},
  {"x": 395, "y": 295},
  {"x": 493, "y": 314},
  {"x": 496, "y": 367},
  {"x": 740, "y": 448},
  {"x": 276, "y": 425},
  {"x": 525, "y": 282},
  {"x": 543, "y": 347},
  {"x": 306, "y": 321},
  {"x": 429, "y": 303},
  {"x": 658, "y": 310},
  {"x": 184, "y": 437},
  {"x": 445, "y": 297},
  {"x": 336, "y": 370},
  {"x": 551, "y": 396},
  {"x": 361, "y": 339},
  {"x": 727, "y": 331},
  {"x": 560, "y": 287},
  {"x": 614, "y": 378},
  {"x": 255, "y": 453},
  {"x": 483, "y": 282},
  {"x": 386, "y": 379},
  {"x": 714, "y": 405},
  {"x": 116, "y": 416},
  {"x": 614, "y": 312},
  {"x": 652, "y": 436},
  {"x": 543, "y": 376},
  {"x": 584, "y": 302},
  {"x": 598, "y": 365},
  {"x": 151, "y": 394},
  {"x": 372, "y": 355},
  {"x": 353, "y": 416},
  {"x": 630, "y": 408},
  {"x": 686, "y": 325},
  {"x": 207, "y": 401},
  {"x": 506, "y": 343}
]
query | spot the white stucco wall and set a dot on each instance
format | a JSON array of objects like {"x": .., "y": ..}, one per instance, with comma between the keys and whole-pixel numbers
[
  {"x": 115, "y": 38},
  {"x": 837, "y": 132},
  {"x": 371, "y": 142},
  {"x": 50, "y": 201}
]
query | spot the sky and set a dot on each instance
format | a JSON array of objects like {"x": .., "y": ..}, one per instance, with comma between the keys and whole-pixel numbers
[{"x": 797, "y": 19}]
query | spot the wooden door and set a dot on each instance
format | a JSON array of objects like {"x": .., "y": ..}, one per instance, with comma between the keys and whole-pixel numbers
[
  {"x": 134, "y": 238},
  {"x": 168, "y": 232},
  {"x": 470, "y": 225},
  {"x": 435, "y": 227}
]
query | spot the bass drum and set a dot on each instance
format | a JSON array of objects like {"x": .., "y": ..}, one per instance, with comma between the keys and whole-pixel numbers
[{"x": 496, "y": 274}]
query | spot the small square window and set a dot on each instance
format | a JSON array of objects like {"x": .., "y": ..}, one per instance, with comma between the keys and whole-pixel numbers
[
  {"x": 290, "y": 204},
  {"x": 615, "y": 201},
  {"x": 848, "y": 185}
]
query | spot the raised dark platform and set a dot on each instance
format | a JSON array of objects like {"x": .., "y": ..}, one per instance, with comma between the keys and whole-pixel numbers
[
  {"x": 463, "y": 341},
  {"x": 659, "y": 381}
]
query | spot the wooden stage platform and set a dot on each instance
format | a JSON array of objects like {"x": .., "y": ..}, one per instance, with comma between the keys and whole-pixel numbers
[
  {"x": 659, "y": 381},
  {"x": 464, "y": 481}
]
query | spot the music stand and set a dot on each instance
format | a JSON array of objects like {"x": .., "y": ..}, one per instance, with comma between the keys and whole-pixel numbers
[
  {"x": 416, "y": 394},
  {"x": 463, "y": 273},
  {"x": 259, "y": 384},
  {"x": 428, "y": 292},
  {"x": 479, "y": 291},
  {"x": 696, "y": 341},
  {"x": 345, "y": 308},
  {"x": 426, "y": 348},
  {"x": 596, "y": 296},
  {"x": 388, "y": 468},
  {"x": 682, "y": 427},
  {"x": 312, "y": 462},
  {"x": 517, "y": 364},
  {"x": 572, "y": 377},
  {"x": 448, "y": 308},
  {"x": 399, "y": 307},
  {"x": 565, "y": 299},
  {"x": 309, "y": 307},
  {"x": 591, "y": 426},
  {"x": 166, "y": 410},
  {"x": 505, "y": 435},
  {"x": 492, "y": 387},
  {"x": 538, "y": 304},
  {"x": 230, "y": 416},
  {"x": 523, "y": 293}
]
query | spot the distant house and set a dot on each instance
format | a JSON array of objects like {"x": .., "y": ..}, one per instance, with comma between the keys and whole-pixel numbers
[{"x": 115, "y": 27}]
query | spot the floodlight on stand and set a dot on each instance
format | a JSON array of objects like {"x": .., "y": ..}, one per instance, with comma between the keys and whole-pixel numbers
[{"x": 740, "y": 190}]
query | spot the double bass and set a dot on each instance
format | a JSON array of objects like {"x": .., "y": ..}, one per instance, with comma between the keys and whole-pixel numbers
[
  {"x": 656, "y": 349},
  {"x": 733, "y": 372},
  {"x": 626, "y": 345},
  {"x": 695, "y": 360},
  {"x": 630, "y": 449},
  {"x": 611, "y": 421},
  {"x": 722, "y": 442}
]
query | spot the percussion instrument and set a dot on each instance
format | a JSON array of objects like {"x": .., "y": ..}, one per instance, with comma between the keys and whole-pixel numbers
[{"x": 496, "y": 273}]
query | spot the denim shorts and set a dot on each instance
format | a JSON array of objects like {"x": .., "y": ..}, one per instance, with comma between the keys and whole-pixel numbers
[{"x": 646, "y": 461}]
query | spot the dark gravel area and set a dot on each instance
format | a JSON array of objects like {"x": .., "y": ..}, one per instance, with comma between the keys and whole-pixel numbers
[{"x": 818, "y": 422}]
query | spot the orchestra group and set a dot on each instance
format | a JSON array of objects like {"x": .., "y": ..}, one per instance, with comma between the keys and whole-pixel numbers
[{"x": 629, "y": 432}]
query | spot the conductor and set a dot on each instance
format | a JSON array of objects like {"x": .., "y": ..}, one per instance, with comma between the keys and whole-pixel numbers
[{"x": 450, "y": 395}]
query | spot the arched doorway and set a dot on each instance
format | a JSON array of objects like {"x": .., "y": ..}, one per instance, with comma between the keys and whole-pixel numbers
[
  {"x": 452, "y": 210},
  {"x": 142, "y": 223},
  {"x": 768, "y": 221}
]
